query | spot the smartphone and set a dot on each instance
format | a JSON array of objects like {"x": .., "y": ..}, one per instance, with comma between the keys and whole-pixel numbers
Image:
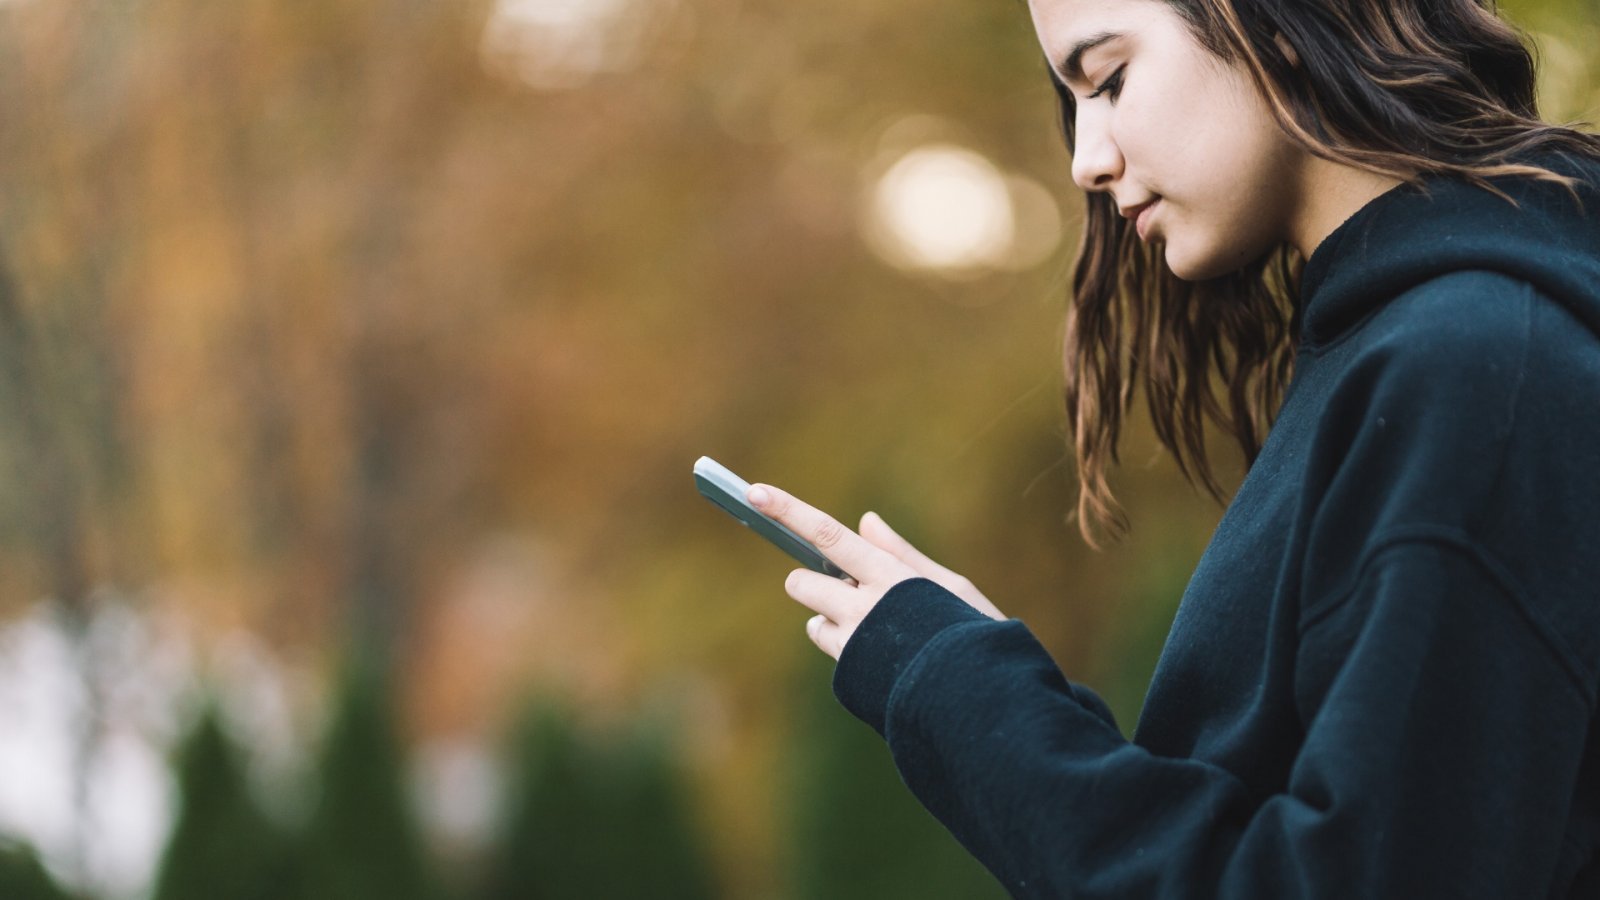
[{"x": 727, "y": 490}]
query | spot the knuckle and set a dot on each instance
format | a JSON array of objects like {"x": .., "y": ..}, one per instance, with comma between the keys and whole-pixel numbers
[{"x": 828, "y": 534}]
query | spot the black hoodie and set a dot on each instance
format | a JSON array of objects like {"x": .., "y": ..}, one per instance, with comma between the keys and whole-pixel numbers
[{"x": 1382, "y": 678}]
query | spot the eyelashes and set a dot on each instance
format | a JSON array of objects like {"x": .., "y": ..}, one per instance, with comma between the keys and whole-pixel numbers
[{"x": 1112, "y": 86}]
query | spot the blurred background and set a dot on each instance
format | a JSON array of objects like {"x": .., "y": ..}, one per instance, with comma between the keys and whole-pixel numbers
[{"x": 353, "y": 358}]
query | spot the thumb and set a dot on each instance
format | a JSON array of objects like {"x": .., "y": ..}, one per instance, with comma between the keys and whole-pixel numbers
[
  {"x": 878, "y": 533},
  {"x": 876, "y": 530}
]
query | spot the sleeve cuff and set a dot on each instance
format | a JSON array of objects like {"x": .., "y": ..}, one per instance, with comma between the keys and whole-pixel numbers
[{"x": 888, "y": 639}]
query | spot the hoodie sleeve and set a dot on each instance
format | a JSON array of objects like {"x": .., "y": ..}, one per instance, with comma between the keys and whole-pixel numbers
[{"x": 1424, "y": 772}]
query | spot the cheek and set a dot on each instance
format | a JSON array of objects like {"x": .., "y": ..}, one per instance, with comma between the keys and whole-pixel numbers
[
  {"x": 1223, "y": 238},
  {"x": 1229, "y": 172},
  {"x": 1222, "y": 230}
]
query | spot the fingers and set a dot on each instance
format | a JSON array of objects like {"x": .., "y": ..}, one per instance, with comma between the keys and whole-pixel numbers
[
  {"x": 875, "y": 530},
  {"x": 846, "y": 548},
  {"x": 821, "y": 594},
  {"x": 832, "y": 600},
  {"x": 840, "y": 604},
  {"x": 827, "y": 635}
]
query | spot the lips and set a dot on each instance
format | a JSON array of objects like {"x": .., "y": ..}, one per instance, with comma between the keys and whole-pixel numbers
[{"x": 1140, "y": 214}]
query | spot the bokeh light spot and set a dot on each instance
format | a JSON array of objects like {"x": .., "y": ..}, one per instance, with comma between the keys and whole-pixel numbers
[
  {"x": 562, "y": 44},
  {"x": 941, "y": 207}
]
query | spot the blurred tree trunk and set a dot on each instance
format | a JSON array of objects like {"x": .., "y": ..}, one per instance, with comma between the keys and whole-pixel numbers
[{"x": 50, "y": 494}]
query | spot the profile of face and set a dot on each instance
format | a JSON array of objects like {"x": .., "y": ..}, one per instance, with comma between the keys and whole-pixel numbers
[{"x": 1182, "y": 141}]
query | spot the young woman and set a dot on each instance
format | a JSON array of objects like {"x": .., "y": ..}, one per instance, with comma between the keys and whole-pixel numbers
[{"x": 1382, "y": 679}]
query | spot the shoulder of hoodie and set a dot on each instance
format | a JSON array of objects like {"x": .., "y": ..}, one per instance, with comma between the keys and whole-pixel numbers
[
  {"x": 1467, "y": 314},
  {"x": 1478, "y": 335}
]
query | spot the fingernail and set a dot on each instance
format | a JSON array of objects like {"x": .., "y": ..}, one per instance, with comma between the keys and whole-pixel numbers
[{"x": 758, "y": 496}]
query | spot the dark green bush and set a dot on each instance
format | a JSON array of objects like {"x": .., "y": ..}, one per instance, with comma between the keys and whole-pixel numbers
[
  {"x": 593, "y": 816},
  {"x": 223, "y": 845},
  {"x": 362, "y": 841},
  {"x": 23, "y": 877}
]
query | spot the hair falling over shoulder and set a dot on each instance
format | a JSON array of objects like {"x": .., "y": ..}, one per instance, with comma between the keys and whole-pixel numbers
[{"x": 1404, "y": 88}]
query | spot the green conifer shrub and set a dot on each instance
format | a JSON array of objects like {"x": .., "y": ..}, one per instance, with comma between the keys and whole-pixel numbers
[
  {"x": 595, "y": 815},
  {"x": 23, "y": 877},
  {"x": 363, "y": 841},
  {"x": 223, "y": 845}
]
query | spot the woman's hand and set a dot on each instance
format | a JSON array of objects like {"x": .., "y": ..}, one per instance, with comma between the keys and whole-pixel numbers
[{"x": 877, "y": 559}]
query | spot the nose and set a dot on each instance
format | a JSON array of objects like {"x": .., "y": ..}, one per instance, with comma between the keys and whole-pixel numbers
[{"x": 1096, "y": 160}]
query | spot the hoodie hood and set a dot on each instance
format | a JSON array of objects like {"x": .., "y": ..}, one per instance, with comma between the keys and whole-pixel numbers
[{"x": 1416, "y": 232}]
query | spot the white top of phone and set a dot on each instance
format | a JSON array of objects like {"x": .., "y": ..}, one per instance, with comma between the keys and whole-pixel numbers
[{"x": 720, "y": 475}]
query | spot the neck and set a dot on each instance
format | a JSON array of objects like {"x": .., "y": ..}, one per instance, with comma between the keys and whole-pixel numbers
[{"x": 1331, "y": 193}]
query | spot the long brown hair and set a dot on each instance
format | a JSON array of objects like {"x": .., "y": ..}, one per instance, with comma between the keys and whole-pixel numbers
[{"x": 1405, "y": 88}]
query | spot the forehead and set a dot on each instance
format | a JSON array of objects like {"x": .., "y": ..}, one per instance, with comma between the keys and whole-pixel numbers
[
  {"x": 1063, "y": 13},
  {"x": 1065, "y": 24},
  {"x": 1070, "y": 20}
]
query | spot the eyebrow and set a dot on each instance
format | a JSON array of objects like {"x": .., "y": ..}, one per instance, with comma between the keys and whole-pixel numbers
[{"x": 1072, "y": 64}]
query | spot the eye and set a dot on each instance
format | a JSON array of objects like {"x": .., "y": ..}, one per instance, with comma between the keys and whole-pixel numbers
[{"x": 1112, "y": 86}]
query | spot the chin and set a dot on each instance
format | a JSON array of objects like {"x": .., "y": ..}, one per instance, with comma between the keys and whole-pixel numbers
[
  {"x": 1189, "y": 263},
  {"x": 1190, "y": 267}
]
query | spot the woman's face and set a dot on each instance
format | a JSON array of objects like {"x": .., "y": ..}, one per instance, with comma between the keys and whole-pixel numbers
[{"x": 1172, "y": 132}]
